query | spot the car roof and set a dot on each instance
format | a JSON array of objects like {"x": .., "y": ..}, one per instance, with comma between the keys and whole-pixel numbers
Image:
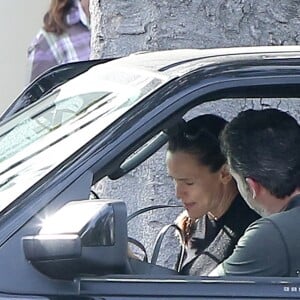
[
  {"x": 180, "y": 61},
  {"x": 170, "y": 63}
]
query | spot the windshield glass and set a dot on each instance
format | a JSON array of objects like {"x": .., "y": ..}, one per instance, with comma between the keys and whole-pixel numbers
[{"x": 104, "y": 92}]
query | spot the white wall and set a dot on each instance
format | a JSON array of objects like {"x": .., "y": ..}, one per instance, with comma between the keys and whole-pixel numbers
[{"x": 19, "y": 22}]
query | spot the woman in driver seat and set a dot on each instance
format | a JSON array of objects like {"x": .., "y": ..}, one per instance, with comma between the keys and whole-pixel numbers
[{"x": 215, "y": 215}]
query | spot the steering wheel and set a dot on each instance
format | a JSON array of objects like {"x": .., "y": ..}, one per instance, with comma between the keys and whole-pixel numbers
[{"x": 160, "y": 236}]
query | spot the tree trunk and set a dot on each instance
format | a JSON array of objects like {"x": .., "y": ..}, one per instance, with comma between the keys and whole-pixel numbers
[{"x": 125, "y": 26}]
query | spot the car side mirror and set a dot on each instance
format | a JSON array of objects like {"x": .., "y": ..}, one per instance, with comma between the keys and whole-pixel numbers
[{"x": 82, "y": 237}]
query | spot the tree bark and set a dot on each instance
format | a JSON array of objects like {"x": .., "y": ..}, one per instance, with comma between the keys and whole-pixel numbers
[{"x": 125, "y": 26}]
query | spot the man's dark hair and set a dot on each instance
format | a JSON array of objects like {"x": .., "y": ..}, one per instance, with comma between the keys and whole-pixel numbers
[
  {"x": 200, "y": 137},
  {"x": 264, "y": 145}
]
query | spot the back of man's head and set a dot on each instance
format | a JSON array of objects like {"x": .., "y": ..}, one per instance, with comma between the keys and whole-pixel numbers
[{"x": 264, "y": 145}]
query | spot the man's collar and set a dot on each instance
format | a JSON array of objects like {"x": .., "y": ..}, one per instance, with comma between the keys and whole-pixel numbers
[{"x": 295, "y": 202}]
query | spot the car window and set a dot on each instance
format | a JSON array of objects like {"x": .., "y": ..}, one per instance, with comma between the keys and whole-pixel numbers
[
  {"x": 40, "y": 123},
  {"x": 153, "y": 186},
  {"x": 99, "y": 96}
]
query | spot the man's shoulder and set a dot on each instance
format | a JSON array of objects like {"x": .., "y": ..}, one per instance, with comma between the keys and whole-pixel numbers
[
  {"x": 279, "y": 226},
  {"x": 267, "y": 247},
  {"x": 286, "y": 221},
  {"x": 260, "y": 228},
  {"x": 257, "y": 251}
]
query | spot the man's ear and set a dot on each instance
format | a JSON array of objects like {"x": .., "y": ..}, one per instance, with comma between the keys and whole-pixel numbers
[
  {"x": 225, "y": 175},
  {"x": 254, "y": 187}
]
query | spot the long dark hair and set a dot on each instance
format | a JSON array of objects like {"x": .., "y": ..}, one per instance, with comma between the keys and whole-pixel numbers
[
  {"x": 55, "y": 18},
  {"x": 200, "y": 137}
]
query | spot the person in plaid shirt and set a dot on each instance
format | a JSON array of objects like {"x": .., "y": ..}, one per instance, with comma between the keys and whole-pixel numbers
[{"x": 65, "y": 37}]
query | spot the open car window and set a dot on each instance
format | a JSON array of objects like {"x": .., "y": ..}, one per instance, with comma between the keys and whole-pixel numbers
[{"x": 145, "y": 169}]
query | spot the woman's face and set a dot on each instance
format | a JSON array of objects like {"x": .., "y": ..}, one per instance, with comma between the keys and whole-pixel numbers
[{"x": 198, "y": 188}]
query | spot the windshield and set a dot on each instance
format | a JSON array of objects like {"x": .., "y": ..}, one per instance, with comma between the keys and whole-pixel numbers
[{"x": 104, "y": 92}]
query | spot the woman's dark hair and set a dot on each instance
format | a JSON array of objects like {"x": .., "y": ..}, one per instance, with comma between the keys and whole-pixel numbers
[
  {"x": 200, "y": 137},
  {"x": 55, "y": 18}
]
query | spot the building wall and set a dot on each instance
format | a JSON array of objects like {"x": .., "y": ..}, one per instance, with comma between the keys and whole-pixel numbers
[{"x": 19, "y": 22}]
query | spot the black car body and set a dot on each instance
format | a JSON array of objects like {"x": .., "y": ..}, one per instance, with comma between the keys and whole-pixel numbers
[{"x": 58, "y": 143}]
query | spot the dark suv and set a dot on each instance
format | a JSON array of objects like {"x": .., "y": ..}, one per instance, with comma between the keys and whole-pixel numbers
[{"x": 82, "y": 123}]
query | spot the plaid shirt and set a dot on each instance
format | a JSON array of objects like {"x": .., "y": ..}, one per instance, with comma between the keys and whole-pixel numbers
[{"x": 48, "y": 49}]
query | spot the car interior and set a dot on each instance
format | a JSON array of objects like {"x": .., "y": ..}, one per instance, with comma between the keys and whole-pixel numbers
[{"x": 101, "y": 243}]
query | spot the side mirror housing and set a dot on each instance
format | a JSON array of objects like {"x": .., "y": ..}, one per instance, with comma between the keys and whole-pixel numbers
[{"x": 82, "y": 237}]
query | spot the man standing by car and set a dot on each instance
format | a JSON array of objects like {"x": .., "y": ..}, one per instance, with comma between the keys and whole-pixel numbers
[{"x": 262, "y": 149}]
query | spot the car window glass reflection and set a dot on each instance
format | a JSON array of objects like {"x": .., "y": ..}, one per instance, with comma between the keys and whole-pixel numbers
[{"x": 53, "y": 116}]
